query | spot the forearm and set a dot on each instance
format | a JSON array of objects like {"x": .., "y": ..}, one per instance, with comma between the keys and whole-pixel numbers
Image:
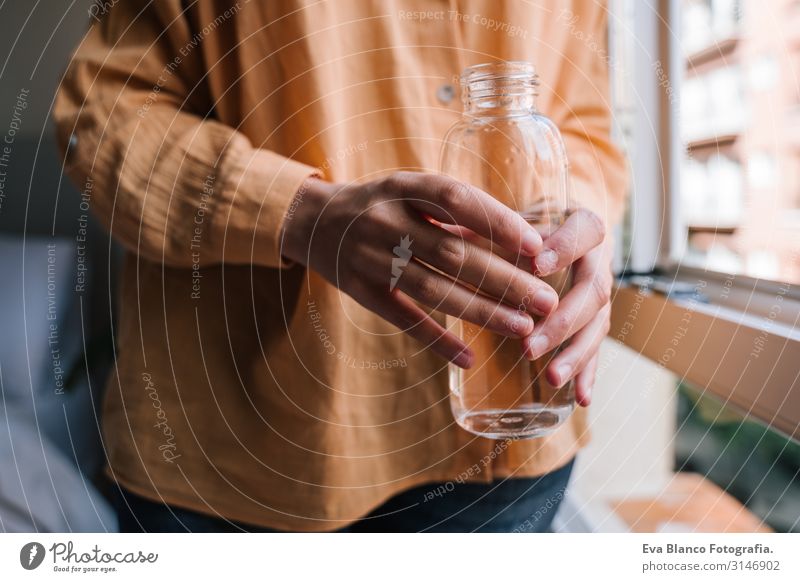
[{"x": 171, "y": 185}]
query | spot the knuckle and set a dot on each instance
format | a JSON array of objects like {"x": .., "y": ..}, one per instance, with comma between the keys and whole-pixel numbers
[
  {"x": 484, "y": 312},
  {"x": 452, "y": 250},
  {"x": 427, "y": 289},
  {"x": 601, "y": 289},
  {"x": 560, "y": 323},
  {"x": 594, "y": 222},
  {"x": 523, "y": 287},
  {"x": 569, "y": 358},
  {"x": 396, "y": 183},
  {"x": 379, "y": 216},
  {"x": 504, "y": 224},
  {"x": 516, "y": 280},
  {"x": 453, "y": 194}
]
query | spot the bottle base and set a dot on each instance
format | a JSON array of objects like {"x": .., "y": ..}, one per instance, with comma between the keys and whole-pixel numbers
[{"x": 514, "y": 424}]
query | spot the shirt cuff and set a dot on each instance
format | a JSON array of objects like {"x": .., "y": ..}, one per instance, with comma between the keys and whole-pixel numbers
[{"x": 260, "y": 190}]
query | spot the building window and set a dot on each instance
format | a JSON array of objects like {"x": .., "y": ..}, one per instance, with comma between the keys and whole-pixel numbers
[{"x": 738, "y": 125}]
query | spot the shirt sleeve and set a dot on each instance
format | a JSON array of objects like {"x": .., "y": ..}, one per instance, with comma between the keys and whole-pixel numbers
[
  {"x": 171, "y": 183},
  {"x": 598, "y": 171}
]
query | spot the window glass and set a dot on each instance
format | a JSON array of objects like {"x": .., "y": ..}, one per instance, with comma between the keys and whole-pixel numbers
[{"x": 740, "y": 126}]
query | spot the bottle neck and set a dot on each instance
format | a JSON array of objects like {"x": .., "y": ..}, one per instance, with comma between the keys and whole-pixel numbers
[{"x": 499, "y": 89}]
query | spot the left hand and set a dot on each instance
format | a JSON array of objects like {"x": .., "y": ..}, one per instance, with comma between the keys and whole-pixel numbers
[{"x": 583, "y": 314}]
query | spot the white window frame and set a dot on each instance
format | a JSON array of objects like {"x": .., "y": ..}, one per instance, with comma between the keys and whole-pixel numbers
[{"x": 744, "y": 308}]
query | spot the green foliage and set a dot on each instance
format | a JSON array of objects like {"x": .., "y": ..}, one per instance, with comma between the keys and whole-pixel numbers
[{"x": 754, "y": 463}]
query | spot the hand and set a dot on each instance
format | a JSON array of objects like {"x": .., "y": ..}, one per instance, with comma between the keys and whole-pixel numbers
[
  {"x": 583, "y": 313},
  {"x": 354, "y": 236}
]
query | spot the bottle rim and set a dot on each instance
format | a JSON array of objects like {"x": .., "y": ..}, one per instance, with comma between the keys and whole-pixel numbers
[
  {"x": 500, "y": 70},
  {"x": 499, "y": 79}
]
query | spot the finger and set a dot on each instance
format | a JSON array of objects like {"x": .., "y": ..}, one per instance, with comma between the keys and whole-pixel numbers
[
  {"x": 453, "y": 202},
  {"x": 478, "y": 267},
  {"x": 520, "y": 261},
  {"x": 584, "y": 383},
  {"x": 573, "y": 359},
  {"x": 445, "y": 295},
  {"x": 403, "y": 313},
  {"x": 590, "y": 293},
  {"x": 581, "y": 232}
]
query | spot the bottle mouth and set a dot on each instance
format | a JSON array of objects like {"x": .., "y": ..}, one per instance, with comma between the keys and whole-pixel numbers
[{"x": 498, "y": 79}]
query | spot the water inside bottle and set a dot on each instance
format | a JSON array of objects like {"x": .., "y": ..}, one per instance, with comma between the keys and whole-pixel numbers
[{"x": 504, "y": 395}]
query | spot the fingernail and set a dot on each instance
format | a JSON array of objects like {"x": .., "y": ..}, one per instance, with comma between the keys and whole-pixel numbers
[
  {"x": 563, "y": 371},
  {"x": 546, "y": 262},
  {"x": 463, "y": 359},
  {"x": 545, "y": 300},
  {"x": 538, "y": 346},
  {"x": 531, "y": 243}
]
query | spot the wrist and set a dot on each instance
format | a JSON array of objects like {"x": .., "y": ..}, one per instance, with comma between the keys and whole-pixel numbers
[{"x": 301, "y": 217}]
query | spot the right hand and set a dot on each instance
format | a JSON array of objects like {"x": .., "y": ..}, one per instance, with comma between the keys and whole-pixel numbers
[{"x": 352, "y": 235}]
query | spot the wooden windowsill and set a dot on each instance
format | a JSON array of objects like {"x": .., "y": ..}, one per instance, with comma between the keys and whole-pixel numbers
[{"x": 750, "y": 361}]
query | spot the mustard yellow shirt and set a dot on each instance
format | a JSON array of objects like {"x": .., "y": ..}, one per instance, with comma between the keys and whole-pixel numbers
[{"x": 245, "y": 387}]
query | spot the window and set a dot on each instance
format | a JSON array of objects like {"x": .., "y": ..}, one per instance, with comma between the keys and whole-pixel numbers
[
  {"x": 706, "y": 22},
  {"x": 738, "y": 192},
  {"x": 710, "y": 121},
  {"x": 763, "y": 73}
]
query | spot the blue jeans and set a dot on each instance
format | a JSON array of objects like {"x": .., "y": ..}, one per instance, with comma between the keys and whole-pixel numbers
[{"x": 511, "y": 505}]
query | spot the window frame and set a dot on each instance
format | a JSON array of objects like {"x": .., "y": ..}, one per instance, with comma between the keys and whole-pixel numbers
[{"x": 744, "y": 310}]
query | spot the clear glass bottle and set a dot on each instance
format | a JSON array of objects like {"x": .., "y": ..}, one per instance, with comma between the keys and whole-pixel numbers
[{"x": 508, "y": 149}]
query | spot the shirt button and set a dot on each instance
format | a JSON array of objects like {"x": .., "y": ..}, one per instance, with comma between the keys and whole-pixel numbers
[
  {"x": 445, "y": 94},
  {"x": 72, "y": 145}
]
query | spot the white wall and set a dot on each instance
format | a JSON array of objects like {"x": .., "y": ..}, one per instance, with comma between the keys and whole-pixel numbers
[{"x": 633, "y": 416}]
